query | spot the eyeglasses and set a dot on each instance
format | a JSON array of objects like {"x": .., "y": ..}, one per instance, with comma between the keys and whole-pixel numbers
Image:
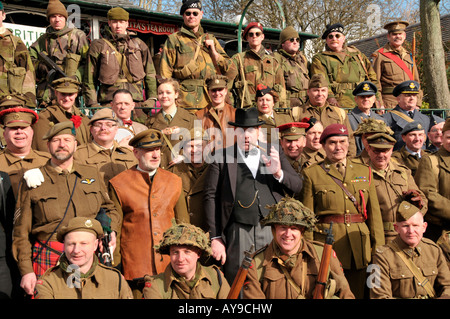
[
  {"x": 107, "y": 125},
  {"x": 254, "y": 34},
  {"x": 188, "y": 13},
  {"x": 337, "y": 36},
  {"x": 294, "y": 40}
]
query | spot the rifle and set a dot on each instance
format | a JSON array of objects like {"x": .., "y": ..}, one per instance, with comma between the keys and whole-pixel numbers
[
  {"x": 106, "y": 257},
  {"x": 241, "y": 275},
  {"x": 54, "y": 68},
  {"x": 413, "y": 53},
  {"x": 322, "y": 277}
]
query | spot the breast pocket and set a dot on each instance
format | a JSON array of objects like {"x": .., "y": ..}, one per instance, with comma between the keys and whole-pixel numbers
[
  {"x": 325, "y": 197},
  {"x": 47, "y": 207},
  {"x": 92, "y": 203}
]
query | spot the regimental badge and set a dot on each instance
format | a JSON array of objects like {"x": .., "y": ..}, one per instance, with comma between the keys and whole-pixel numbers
[
  {"x": 88, "y": 181},
  {"x": 88, "y": 223},
  {"x": 412, "y": 85},
  {"x": 293, "y": 129},
  {"x": 419, "y": 126},
  {"x": 342, "y": 130},
  {"x": 366, "y": 87},
  {"x": 406, "y": 206}
]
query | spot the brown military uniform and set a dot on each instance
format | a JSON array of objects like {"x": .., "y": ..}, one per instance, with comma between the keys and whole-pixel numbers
[
  {"x": 101, "y": 282},
  {"x": 409, "y": 160},
  {"x": 397, "y": 280},
  {"x": 327, "y": 115},
  {"x": 266, "y": 278},
  {"x": 310, "y": 156},
  {"x": 39, "y": 210},
  {"x": 271, "y": 123},
  {"x": 109, "y": 162},
  {"x": 54, "y": 114},
  {"x": 211, "y": 284},
  {"x": 16, "y": 166}
]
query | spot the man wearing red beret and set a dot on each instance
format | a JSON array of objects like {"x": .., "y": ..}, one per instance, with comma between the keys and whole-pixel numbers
[{"x": 340, "y": 191}]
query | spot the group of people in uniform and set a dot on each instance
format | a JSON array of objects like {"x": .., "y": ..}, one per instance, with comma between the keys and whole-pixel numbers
[{"x": 257, "y": 156}]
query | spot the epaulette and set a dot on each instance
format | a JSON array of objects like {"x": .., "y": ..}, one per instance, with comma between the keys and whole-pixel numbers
[
  {"x": 429, "y": 242},
  {"x": 260, "y": 251},
  {"x": 381, "y": 249}
]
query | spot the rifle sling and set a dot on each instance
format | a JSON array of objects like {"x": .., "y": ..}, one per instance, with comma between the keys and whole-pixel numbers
[
  {"x": 424, "y": 282},
  {"x": 121, "y": 59}
]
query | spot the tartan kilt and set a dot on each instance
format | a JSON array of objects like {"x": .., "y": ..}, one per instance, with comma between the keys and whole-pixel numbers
[{"x": 46, "y": 256}]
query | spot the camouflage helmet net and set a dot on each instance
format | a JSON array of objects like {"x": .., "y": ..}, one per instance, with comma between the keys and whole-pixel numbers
[
  {"x": 184, "y": 234},
  {"x": 371, "y": 125},
  {"x": 291, "y": 212}
]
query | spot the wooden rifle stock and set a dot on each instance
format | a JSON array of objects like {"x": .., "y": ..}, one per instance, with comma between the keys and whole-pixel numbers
[
  {"x": 241, "y": 275},
  {"x": 322, "y": 277}
]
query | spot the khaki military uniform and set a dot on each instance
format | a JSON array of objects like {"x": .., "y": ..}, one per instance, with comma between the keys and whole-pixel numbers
[
  {"x": 271, "y": 123},
  {"x": 390, "y": 74},
  {"x": 398, "y": 281},
  {"x": 193, "y": 180},
  {"x": 255, "y": 68},
  {"x": 180, "y": 61},
  {"x": 390, "y": 185},
  {"x": 267, "y": 277},
  {"x": 357, "y": 232},
  {"x": 16, "y": 68},
  {"x": 39, "y": 210},
  {"x": 329, "y": 114},
  {"x": 433, "y": 178},
  {"x": 119, "y": 62},
  {"x": 54, "y": 114},
  {"x": 67, "y": 48},
  {"x": 310, "y": 156},
  {"x": 109, "y": 162},
  {"x": 296, "y": 74},
  {"x": 101, "y": 282},
  {"x": 344, "y": 71},
  {"x": 409, "y": 160},
  {"x": 210, "y": 284},
  {"x": 16, "y": 166},
  {"x": 182, "y": 119}
]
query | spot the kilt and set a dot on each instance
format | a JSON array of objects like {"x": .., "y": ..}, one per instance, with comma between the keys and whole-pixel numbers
[{"x": 46, "y": 256}]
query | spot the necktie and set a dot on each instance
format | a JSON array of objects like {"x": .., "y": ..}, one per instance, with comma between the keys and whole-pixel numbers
[
  {"x": 269, "y": 119},
  {"x": 411, "y": 114},
  {"x": 127, "y": 122},
  {"x": 341, "y": 168},
  {"x": 168, "y": 118}
]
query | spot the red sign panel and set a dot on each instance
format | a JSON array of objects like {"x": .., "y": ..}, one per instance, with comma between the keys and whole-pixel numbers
[{"x": 152, "y": 27}]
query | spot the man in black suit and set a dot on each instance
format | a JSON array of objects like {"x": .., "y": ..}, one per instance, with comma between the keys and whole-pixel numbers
[{"x": 241, "y": 180}]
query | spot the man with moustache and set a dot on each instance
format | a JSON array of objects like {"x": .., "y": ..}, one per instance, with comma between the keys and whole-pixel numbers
[
  {"x": 313, "y": 151},
  {"x": 146, "y": 195},
  {"x": 18, "y": 156},
  {"x": 69, "y": 189},
  {"x": 340, "y": 190},
  {"x": 241, "y": 180}
]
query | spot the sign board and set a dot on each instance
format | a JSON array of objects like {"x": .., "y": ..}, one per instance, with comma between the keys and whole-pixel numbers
[
  {"x": 28, "y": 34},
  {"x": 152, "y": 27}
]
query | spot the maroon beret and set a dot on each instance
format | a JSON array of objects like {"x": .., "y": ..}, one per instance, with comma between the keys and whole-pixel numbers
[
  {"x": 333, "y": 130},
  {"x": 250, "y": 26}
]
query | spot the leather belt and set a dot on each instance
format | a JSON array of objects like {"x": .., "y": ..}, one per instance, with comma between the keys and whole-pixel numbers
[{"x": 342, "y": 219}]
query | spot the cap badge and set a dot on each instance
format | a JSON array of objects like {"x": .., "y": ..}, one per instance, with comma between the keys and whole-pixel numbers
[
  {"x": 342, "y": 130},
  {"x": 88, "y": 223},
  {"x": 366, "y": 87},
  {"x": 412, "y": 85}
]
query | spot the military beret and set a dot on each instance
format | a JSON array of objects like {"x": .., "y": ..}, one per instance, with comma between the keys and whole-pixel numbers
[
  {"x": 412, "y": 126},
  {"x": 190, "y": 4},
  {"x": 381, "y": 140},
  {"x": 262, "y": 90},
  {"x": 365, "y": 88},
  {"x": 118, "y": 13},
  {"x": 333, "y": 130},
  {"x": 104, "y": 114},
  {"x": 288, "y": 33},
  {"x": 434, "y": 120},
  {"x": 371, "y": 125},
  {"x": 56, "y": 7},
  {"x": 406, "y": 87},
  {"x": 396, "y": 26},
  {"x": 66, "y": 127},
  {"x": 337, "y": 27},
  {"x": 405, "y": 211},
  {"x": 317, "y": 81},
  {"x": 90, "y": 225},
  {"x": 311, "y": 121},
  {"x": 217, "y": 82},
  {"x": 18, "y": 117},
  {"x": 293, "y": 130},
  {"x": 10, "y": 100},
  {"x": 66, "y": 85},
  {"x": 147, "y": 139},
  {"x": 252, "y": 25},
  {"x": 446, "y": 125}
]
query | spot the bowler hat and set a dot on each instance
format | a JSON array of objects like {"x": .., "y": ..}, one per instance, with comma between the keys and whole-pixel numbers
[{"x": 247, "y": 117}]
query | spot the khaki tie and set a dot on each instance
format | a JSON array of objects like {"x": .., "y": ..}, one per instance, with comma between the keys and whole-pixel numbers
[
  {"x": 268, "y": 119},
  {"x": 168, "y": 118},
  {"x": 341, "y": 168}
]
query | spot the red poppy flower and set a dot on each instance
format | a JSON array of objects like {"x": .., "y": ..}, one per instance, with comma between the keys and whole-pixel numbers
[{"x": 76, "y": 119}]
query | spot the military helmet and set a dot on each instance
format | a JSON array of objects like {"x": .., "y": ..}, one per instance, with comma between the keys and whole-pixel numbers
[
  {"x": 371, "y": 125},
  {"x": 291, "y": 212},
  {"x": 184, "y": 234}
]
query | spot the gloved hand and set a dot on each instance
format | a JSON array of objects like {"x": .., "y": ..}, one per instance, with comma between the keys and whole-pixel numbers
[
  {"x": 413, "y": 196},
  {"x": 33, "y": 177}
]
